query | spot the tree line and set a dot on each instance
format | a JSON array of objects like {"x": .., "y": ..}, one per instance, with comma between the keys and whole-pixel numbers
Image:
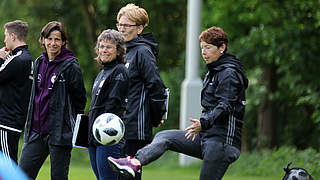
[{"x": 278, "y": 42}]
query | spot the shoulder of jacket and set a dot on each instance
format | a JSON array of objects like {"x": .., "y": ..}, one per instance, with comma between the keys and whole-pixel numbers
[
  {"x": 226, "y": 69},
  {"x": 15, "y": 56},
  {"x": 39, "y": 58},
  {"x": 69, "y": 66},
  {"x": 119, "y": 68},
  {"x": 71, "y": 62},
  {"x": 226, "y": 72},
  {"x": 143, "y": 48},
  {"x": 24, "y": 56}
]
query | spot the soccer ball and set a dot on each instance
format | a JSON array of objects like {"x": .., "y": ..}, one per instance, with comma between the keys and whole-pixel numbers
[{"x": 108, "y": 129}]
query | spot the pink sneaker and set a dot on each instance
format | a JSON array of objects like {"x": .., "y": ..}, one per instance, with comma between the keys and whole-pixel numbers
[{"x": 124, "y": 166}]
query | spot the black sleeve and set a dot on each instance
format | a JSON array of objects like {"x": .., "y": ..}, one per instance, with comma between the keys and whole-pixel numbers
[
  {"x": 1, "y": 61},
  {"x": 149, "y": 72},
  {"x": 8, "y": 70},
  {"x": 77, "y": 89},
  {"x": 153, "y": 82}
]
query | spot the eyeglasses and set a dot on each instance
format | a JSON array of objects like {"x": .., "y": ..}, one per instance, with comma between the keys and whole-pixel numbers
[
  {"x": 126, "y": 26},
  {"x": 206, "y": 47},
  {"x": 107, "y": 47}
]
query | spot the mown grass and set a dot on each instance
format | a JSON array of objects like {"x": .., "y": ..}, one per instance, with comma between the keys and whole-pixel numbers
[
  {"x": 77, "y": 172},
  {"x": 165, "y": 168},
  {"x": 84, "y": 172},
  {"x": 256, "y": 165}
]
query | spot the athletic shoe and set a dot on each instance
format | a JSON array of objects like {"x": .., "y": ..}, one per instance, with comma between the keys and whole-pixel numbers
[{"x": 124, "y": 166}]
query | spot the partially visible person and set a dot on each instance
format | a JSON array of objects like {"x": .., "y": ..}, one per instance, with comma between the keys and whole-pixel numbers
[
  {"x": 216, "y": 137},
  {"x": 109, "y": 93},
  {"x": 57, "y": 95},
  {"x": 9, "y": 170},
  {"x": 15, "y": 86},
  {"x": 145, "y": 86}
]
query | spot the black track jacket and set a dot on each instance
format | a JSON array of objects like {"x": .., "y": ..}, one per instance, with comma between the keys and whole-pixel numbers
[
  {"x": 223, "y": 101},
  {"x": 15, "y": 86},
  {"x": 109, "y": 92},
  {"x": 67, "y": 99},
  {"x": 145, "y": 84}
]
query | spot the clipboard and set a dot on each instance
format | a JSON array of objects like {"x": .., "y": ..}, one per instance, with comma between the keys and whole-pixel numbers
[{"x": 80, "y": 132}]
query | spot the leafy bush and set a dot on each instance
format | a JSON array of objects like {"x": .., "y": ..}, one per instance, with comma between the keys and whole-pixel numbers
[{"x": 272, "y": 162}]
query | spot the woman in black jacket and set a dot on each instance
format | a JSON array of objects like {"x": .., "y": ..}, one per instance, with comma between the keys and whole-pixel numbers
[
  {"x": 216, "y": 137},
  {"x": 109, "y": 93},
  {"x": 57, "y": 95}
]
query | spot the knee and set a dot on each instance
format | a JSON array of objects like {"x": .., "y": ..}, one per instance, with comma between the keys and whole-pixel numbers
[
  {"x": 160, "y": 134},
  {"x": 169, "y": 134},
  {"x": 164, "y": 138}
]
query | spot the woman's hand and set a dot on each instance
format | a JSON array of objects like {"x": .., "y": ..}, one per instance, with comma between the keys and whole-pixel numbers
[{"x": 194, "y": 129}]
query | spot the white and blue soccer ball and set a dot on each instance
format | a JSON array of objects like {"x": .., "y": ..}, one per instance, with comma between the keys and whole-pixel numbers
[{"x": 108, "y": 129}]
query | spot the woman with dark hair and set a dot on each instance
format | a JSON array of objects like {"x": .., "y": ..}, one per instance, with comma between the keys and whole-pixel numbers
[
  {"x": 216, "y": 137},
  {"x": 109, "y": 93},
  {"x": 57, "y": 95}
]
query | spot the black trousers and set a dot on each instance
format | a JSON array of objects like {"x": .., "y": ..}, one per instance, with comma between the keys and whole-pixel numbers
[
  {"x": 216, "y": 156},
  {"x": 9, "y": 141},
  {"x": 35, "y": 152}
]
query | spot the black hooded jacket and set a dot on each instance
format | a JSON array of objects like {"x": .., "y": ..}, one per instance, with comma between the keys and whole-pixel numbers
[
  {"x": 223, "y": 100},
  {"x": 145, "y": 84},
  {"x": 67, "y": 99}
]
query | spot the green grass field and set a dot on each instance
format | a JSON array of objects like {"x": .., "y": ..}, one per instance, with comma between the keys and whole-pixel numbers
[
  {"x": 80, "y": 172},
  {"x": 165, "y": 168},
  {"x": 256, "y": 165}
]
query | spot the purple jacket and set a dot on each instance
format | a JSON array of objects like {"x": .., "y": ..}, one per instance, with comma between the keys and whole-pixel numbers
[{"x": 44, "y": 84}]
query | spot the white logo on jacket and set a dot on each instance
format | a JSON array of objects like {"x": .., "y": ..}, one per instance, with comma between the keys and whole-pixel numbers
[
  {"x": 127, "y": 65},
  {"x": 52, "y": 80},
  {"x": 8, "y": 60},
  {"x": 100, "y": 86}
]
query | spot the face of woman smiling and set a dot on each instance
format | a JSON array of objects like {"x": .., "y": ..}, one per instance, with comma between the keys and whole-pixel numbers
[
  {"x": 53, "y": 44},
  {"x": 107, "y": 50},
  {"x": 211, "y": 53}
]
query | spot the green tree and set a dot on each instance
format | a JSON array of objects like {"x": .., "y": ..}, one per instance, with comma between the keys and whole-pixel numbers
[
  {"x": 85, "y": 20},
  {"x": 278, "y": 42}
]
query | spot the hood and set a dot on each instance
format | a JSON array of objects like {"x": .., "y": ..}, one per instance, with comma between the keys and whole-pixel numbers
[
  {"x": 228, "y": 61},
  {"x": 64, "y": 55},
  {"x": 144, "y": 39}
]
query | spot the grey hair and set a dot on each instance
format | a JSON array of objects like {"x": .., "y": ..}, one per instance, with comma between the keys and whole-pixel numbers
[{"x": 114, "y": 36}]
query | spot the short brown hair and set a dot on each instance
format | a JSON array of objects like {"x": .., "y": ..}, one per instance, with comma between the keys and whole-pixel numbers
[
  {"x": 134, "y": 13},
  {"x": 53, "y": 26},
  {"x": 215, "y": 36},
  {"x": 116, "y": 37},
  {"x": 19, "y": 28}
]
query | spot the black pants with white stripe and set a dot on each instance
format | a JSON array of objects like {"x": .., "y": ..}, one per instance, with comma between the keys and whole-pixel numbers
[
  {"x": 9, "y": 144},
  {"x": 216, "y": 156}
]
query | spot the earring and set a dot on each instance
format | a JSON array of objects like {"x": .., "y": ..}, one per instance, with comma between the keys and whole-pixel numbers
[{"x": 221, "y": 52}]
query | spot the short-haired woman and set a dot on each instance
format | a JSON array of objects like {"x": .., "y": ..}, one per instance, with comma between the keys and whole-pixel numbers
[{"x": 57, "y": 95}]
